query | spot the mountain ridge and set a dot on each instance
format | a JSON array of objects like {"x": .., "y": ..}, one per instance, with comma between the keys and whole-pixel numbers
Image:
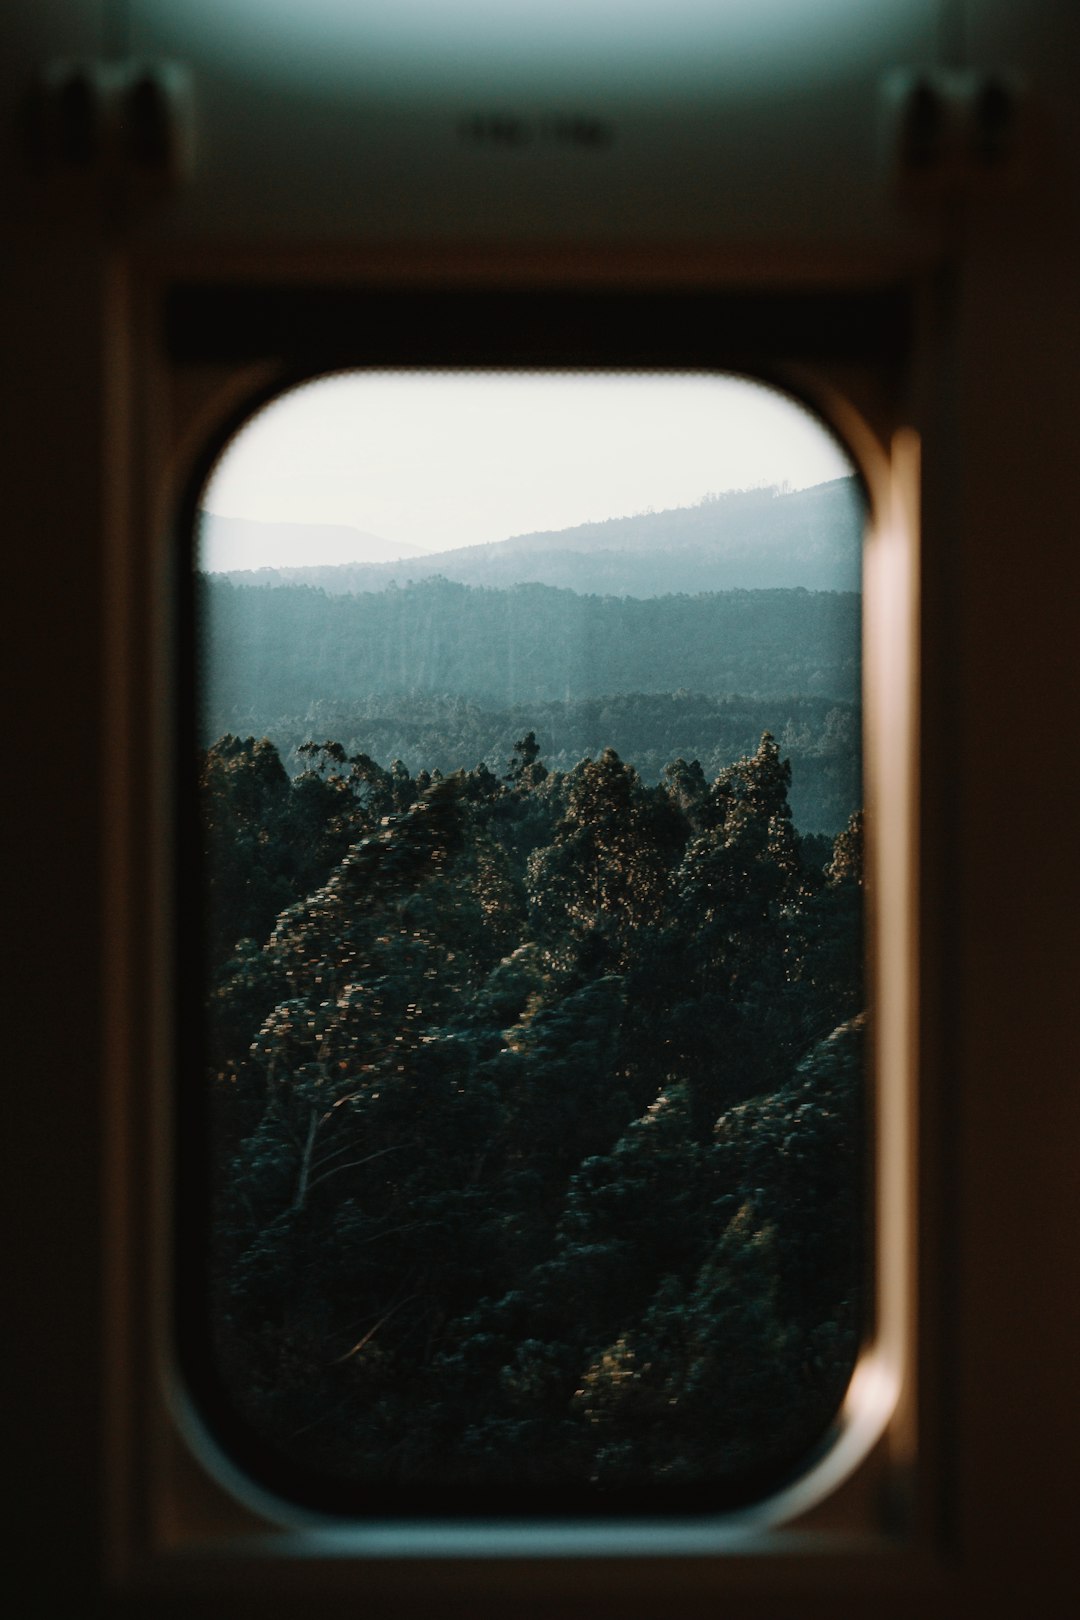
[{"x": 740, "y": 540}]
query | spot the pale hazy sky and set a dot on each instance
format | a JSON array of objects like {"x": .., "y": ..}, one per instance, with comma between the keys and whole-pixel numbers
[{"x": 441, "y": 461}]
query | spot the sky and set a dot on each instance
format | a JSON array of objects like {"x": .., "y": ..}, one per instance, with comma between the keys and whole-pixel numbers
[{"x": 438, "y": 461}]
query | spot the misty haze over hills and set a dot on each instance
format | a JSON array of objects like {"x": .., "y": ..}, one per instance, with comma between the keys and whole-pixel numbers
[
  {"x": 741, "y": 540},
  {"x": 684, "y": 632},
  {"x": 323, "y": 540}
]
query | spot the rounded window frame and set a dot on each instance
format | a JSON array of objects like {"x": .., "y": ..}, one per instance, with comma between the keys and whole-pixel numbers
[{"x": 879, "y": 1405}]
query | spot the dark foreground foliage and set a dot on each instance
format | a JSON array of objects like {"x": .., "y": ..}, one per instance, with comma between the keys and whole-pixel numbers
[{"x": 537, "y": 1105}]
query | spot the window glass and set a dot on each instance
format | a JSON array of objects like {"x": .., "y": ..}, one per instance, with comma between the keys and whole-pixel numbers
[{"x": 530, "y": 851}]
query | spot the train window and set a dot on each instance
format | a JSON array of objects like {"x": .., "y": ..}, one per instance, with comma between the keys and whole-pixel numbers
[{"x": 528, "y": 1145}]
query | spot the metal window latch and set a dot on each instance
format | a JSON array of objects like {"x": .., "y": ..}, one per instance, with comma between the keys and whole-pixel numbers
[
  {"x": 128, "y": 124},
  {"x": 954, "y": 131}
]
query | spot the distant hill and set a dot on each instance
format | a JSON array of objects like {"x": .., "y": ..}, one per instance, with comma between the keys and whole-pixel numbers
[
  {"x": 741, "y": 540},
  {"x": 330, "y": 545}
]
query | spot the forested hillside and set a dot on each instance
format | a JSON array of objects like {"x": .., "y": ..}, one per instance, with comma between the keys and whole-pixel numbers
[
  {"x": 537, "y": 1120},
  {"x": 445, "y": 676},
  {"x": 283, "y": 649}
]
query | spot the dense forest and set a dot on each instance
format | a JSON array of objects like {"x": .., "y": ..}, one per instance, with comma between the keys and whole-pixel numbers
[
  {"x": 535, "y": 1015},
  {"x": 537, "y": 1112}
]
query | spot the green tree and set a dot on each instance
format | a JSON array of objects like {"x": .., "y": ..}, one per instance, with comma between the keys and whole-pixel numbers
[{"x": 604, "y": 878}]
